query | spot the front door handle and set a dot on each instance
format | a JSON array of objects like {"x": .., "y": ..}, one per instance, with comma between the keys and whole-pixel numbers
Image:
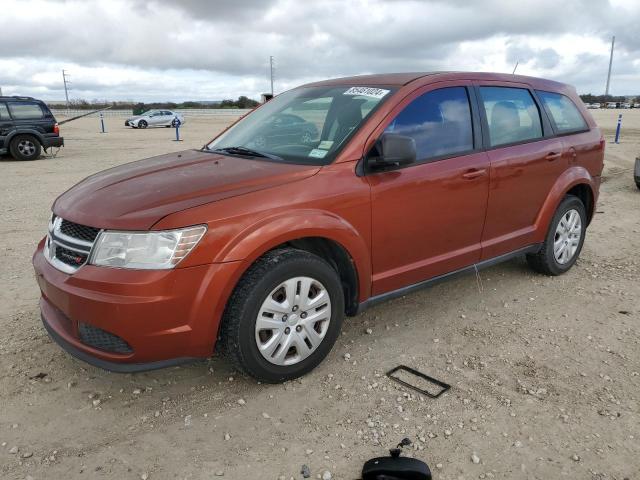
[
  {"x": 475, "y": 173},
  {"x": 553, "y": 156}
]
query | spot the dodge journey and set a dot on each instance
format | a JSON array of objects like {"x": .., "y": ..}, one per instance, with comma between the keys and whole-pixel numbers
[{"x": 328, "y": 199}]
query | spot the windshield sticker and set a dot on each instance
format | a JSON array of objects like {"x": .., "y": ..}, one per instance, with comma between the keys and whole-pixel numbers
[
  {"x": 317, "y": 153},
  {"x": 367, "y": 92},
  {"x": 325, "y": 144}
]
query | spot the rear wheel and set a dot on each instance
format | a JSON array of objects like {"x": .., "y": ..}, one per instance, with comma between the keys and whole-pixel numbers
[
  {"x": 284, "y": 316},
  {"x": 142, "y": 124},
  {"x": 564, "y": 239},
  {"x": 25, "y": 147}
]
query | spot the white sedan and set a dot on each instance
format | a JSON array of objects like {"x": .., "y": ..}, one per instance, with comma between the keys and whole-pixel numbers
[{"x": 154, "y": 118}]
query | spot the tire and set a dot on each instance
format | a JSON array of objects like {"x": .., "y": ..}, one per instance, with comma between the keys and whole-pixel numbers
[
  {"x": 546, "y": 261},
  {"x": 142, "y": 124},
  {"x": 25, "y": 147},
  {"x": 638, "y": 185},
  {"x": 239, "y": 337}
]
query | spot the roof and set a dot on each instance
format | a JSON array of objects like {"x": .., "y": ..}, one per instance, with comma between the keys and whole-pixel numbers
[{"x": 401, "y": 79}]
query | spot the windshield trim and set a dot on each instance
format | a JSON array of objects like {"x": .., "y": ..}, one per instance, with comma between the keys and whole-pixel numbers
[{"x": 310, "y": 161}]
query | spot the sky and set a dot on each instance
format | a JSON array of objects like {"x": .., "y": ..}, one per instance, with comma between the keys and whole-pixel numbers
[{"x": 173, "y": 50}]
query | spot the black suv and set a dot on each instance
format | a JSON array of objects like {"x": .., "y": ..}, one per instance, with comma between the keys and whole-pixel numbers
[{"x": 26, "y": 127}]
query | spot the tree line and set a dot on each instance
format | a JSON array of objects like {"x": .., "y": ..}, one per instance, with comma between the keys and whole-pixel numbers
[
  {"x": 589, "y": 98},
  {"x": 241, "y": 102}
]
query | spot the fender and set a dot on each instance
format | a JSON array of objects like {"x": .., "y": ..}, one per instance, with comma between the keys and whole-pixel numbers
[
  {"x": 274, "y": 230},
  {"x": 20, "y": 131},
  {"x": 570, "y": 178}
]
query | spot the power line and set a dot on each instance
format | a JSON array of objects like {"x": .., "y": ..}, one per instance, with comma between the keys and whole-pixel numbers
[{"x": 613, "y": 42}]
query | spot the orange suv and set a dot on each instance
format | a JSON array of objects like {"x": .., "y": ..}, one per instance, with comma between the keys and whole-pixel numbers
[{"x": 326, "y": 200}]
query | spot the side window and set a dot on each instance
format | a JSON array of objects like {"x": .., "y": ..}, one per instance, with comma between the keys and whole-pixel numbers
[
  {"x": 4, "y": 112},
  {"x": 439, "y": 121},
  {"x": 25, "y": 111},
  {"x": 512, "y": 115},
  {"x": 565, "y": 114}
]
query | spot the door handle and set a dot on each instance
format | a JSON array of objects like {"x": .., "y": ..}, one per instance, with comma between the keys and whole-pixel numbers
[
  {"x": 475, "y": 173},
  {"x": 553, "y": 156}
]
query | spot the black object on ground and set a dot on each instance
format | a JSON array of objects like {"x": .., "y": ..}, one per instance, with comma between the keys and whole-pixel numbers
[
  {"x": 306, "y": 473},
  {"x": 443, "y": 386},
  {"x": 396, "y": 467}
]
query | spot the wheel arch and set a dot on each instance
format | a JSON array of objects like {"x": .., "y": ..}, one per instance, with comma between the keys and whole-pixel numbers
[
  {"x": 320, "y": 233},
  {"x": 574, "y": 181},
  {"x": 24, "y": 131}
]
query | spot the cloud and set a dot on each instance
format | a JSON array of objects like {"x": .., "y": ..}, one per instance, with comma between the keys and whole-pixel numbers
[{"x": 164, "y": 49}]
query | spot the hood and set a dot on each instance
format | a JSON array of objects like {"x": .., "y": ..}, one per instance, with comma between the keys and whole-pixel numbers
[
  {"x": 135, "y": 117},
  {"x": 136, "y": 195}
]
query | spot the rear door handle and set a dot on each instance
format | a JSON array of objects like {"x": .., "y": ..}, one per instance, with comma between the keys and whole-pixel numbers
[
  {"x": 553, "y": 156},
  {"x": 475, "y": 173}
]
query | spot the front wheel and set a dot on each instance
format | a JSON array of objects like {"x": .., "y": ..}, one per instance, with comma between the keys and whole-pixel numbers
[
  {"x": 142, "y": 124},
  {"x": 284, "y": 316},
  {"x": 564, "y": 239}
]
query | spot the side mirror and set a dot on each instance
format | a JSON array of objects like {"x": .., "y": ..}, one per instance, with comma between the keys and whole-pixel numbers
[{"x": 395, "y": 151}]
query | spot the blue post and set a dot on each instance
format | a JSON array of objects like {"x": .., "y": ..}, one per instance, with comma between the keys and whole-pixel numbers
[
  {"x": 618, "y": 128},
  {"x": 102, "y": 123},
  {"x": 176, "y": 122}
]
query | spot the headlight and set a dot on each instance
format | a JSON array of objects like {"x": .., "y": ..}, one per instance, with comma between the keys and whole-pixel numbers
[{"x": 145, "y": 250}]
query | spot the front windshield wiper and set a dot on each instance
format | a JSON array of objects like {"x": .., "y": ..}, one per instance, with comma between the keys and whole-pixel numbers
[{"x": 245, "y": 151}]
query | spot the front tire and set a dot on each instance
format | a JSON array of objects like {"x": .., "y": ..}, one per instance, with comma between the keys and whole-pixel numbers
[
  {"x": 564, "y": 240},
  {"x": 142, "y": 124},
  {"x": 25, "y": 147},
  {"x": 283, "y": 317}
]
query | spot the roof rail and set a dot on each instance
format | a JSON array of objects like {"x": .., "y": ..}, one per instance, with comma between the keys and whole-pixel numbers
[{"x": 17, "y": 97}]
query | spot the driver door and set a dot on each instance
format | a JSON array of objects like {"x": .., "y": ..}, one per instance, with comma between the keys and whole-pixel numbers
[{"x": 428, "y": 217}]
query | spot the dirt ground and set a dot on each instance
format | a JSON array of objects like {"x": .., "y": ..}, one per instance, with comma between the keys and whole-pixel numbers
[{"x": 544, "y": 371}]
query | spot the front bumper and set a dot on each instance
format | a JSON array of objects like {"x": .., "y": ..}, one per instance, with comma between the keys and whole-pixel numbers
[{"x": 166, "y": 317}]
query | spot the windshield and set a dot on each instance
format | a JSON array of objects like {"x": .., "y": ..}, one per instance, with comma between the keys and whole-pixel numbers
[{"x": 306, "y": 125}]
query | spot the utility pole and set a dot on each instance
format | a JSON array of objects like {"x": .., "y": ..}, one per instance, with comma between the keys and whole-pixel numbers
[
  {"x": 65, "y": 80},
  {"x": 271, "y": 72},
  {"x": 613, "y": 42},
  {"x": 514, "y": 68},
  {"x": 0, "y": 91}
]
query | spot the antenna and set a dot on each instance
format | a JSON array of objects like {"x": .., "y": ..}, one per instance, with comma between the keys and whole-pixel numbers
[
  {"x": 514, "y": 68},
  {"x": 65, "y": 80},
  {"x": 613, "y": 42},
  {"x": 271, "y": 72}
]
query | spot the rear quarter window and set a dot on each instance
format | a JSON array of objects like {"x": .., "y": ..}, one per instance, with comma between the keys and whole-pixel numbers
[
  {"x": 26, "y": 111},
  {"x": 4, "y": 112},
  {"x": 565, "y": 115}
]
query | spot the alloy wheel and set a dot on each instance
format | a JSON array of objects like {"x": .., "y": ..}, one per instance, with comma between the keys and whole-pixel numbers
[{"x": 26, "y": 148}]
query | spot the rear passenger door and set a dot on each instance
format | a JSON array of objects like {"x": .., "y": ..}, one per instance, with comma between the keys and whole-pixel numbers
[
  {"x": 526, "y": 159},
  {"x": 427, "y": 217}
]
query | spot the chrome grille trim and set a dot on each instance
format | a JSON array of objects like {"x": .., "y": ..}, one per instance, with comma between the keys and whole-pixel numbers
[{"x": 56, "y": 239}]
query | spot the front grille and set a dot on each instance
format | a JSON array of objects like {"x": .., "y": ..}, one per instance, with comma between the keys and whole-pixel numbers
[
  {"x": 70, "y": 257},
  {"x": 102, "y": 340},
  {"x": 69, "y": 244},
  {"x": 81, "y": 232}
]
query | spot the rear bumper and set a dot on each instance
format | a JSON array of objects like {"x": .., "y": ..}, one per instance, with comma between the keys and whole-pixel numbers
[
  {"x": 53, "y": 142},
  {"x": 166, "y": 317}
]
